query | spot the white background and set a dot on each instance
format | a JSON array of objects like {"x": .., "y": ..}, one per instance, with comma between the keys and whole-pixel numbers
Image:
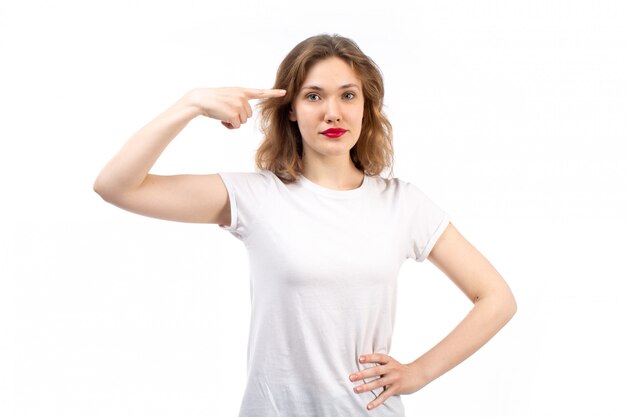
[{"x": 509, "y": 115}]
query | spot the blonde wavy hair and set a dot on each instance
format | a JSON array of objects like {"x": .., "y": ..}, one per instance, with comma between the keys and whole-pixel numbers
[{"x": 281, "y": 149}]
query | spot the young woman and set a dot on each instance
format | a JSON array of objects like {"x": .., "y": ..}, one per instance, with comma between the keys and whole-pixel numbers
[{"x": 325, "y": 233}]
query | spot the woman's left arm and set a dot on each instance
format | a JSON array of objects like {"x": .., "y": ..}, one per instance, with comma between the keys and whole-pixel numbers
[{"x": 494, "y": 306}]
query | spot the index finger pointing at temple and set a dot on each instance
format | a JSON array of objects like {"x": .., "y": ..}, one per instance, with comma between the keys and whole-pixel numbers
[{"x": 265, "y": 93}]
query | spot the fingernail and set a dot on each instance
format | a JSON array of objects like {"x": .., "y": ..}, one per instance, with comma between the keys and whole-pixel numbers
[
  {"x": 352, "y": 377},
  {"x": 362, "y": 358}
]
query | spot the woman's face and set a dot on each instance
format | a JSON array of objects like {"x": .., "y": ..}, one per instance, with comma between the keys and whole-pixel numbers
[{"x": 329, "y": 109}]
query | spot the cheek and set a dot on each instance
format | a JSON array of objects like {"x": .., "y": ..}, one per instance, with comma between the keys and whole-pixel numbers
[
  {"x": 358, "y": 111},
  {"x": 307, "y": 116},
  {"x": 358, "y": 116}
]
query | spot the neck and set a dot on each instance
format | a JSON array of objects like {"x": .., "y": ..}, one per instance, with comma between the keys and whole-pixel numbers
[{"x": 336, "y": 173}]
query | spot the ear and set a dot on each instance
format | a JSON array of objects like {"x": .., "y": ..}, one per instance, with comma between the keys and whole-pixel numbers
[{"x": 292, "y": 115}]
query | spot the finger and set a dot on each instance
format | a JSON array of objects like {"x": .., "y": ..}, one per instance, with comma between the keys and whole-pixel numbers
[
  {"x": 248, "y": 109},
  {"x": 374, "y": 357},
  {"x": 380, "y": 382},
  {"x": 267, "y": 93},
  {"x": 243, "y": 115},
  {"x": 368, "y": 373},
  {"x": 232, "y": 123},
  {"x": 245, "y": 112},
  {"x": 380, "y": 399}
]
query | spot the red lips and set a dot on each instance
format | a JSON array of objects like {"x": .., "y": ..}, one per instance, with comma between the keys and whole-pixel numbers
[{"x": 334, "y": 132}]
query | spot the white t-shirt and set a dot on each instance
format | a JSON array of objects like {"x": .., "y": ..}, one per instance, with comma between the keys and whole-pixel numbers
[{"x": 323, "y": 283}]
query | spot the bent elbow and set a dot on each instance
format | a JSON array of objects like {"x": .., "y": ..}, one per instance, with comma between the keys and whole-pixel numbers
[
  {"x": 509, "y": 307},
  {"x": 97, "y": 188},
  {"x": 100, "y": 189},
  {"x": 514, "y": 306},
  {"x": 503, "y": 306},
  {"x": 104, "y": 190}
]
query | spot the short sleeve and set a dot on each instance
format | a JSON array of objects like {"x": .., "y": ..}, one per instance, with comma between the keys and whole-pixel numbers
[
  {"x": 427, "y": 221},
  {"x": 247, "y": 193}
]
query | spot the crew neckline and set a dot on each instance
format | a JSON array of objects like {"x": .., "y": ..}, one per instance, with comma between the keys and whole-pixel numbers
[{"x": 332, "y": 192}]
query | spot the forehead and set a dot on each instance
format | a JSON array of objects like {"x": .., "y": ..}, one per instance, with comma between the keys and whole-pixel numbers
[{"x": 331, "y": 72}]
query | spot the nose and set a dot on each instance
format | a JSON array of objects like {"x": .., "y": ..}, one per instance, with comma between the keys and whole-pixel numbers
[{"x": 333, "y": 111}]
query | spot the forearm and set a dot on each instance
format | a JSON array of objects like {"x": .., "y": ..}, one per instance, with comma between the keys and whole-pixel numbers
[
  {"x": 130, "y": 166},
  {"x": 485, "y": 319}
]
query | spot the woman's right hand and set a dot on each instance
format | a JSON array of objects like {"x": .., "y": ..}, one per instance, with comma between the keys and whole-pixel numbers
[{"x": 230, "y": 105}]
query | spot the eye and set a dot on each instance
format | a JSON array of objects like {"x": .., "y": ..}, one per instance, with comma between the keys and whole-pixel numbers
[
  {"x": 313, "y": 97},
  {"x": 349, "y": 96}
]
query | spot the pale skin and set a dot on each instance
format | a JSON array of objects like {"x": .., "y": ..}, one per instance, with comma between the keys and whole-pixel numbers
[{"x": 331, "y": 97}]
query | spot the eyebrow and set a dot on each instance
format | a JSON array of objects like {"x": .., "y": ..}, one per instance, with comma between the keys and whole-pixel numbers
[{"x": 316, "y": 88}]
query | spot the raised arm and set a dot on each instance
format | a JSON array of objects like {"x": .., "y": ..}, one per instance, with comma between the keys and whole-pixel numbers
[{"x": 125, "y": 180}]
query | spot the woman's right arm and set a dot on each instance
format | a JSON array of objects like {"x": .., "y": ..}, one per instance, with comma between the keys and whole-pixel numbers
[{"x": 125, "y": 180}]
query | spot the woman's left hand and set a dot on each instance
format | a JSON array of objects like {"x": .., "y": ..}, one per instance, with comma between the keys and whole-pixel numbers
[{"x": 396, "y": 378}]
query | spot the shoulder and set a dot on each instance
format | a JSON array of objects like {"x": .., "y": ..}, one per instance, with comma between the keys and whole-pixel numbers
[
  {"x": 405, "y": 194},
  {"x": 249, "y": 179},
  {"x": 392, "y": 186},
  {"x": 252, "y": 186}
]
